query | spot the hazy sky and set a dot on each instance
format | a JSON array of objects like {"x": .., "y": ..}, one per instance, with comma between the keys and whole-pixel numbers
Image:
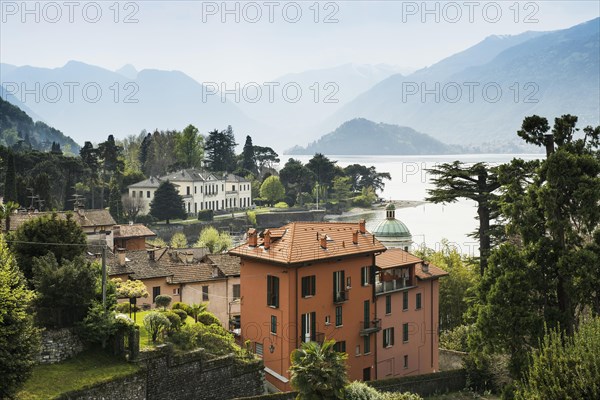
[{"x": 269, "y": 38}]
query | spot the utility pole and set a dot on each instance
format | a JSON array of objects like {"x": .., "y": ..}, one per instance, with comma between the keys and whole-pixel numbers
[
  {"x": 104, "y": 276},
  {"x": 317, "y": 195}
]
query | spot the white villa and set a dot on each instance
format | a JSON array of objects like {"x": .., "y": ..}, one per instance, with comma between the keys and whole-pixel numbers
[{"x": 201, "y": 190}]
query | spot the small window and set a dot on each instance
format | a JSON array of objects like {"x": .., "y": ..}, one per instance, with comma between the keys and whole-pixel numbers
[
  {"x": 176, "y": 291},
  {"x": 404, "y": 301},
  {"x": 328, "y": 320},
  {"x": 405, "y": 361},
  {"x": 388, "y": 304},
  {"x": 388, "y": 337},
  {"x": 367, "y": 344},
  {"x": 204, "y": 293},
  {"x": 272, "y": 291},
  {"x": 133, "y": 193},
  {"x": 258, "y": 349},
  {"x": 418, "y": 301},
  {"x": 340, "y": 347},
  {"x": 308, "y": 285},
  {"x": 338, "y": 316},
  {"x": 141, "y": 193},
  {"x": 405, "y": 333},
  {"x": 195, "y": 189},
  {"x": 148, "y": 194},
  {"x": 357, "y": 350},
  {"x": 236, "y": 292},
  {"x": 348, "y": 283},
  {"x": 365, "y": 276},
  {"x": 233, "y": 188},
  {"x": 187, "y": 190},
  {"x": 155, "y": 292},
  {"x": 273, "y": 324}
]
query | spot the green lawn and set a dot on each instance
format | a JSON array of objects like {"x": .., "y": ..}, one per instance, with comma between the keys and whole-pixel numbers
[{"x": 86, "y": 369}]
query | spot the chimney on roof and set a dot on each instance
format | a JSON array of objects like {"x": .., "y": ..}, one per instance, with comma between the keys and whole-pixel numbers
[
  {"x": 362, "y": 226},
  {"x": 121, "y": 257},
  {"x": 267, "y": 239},
  {"x": 252, "y": 237},
  {"x": 189, "y": 257},
  {"x": 425, "y": 266},
  {"x": 355, "y": 237},
  {"x": 324, "y": 242},
  {"x": 215, "y": 271}
]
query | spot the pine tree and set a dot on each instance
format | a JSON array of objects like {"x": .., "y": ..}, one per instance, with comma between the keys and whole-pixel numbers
[
  {"x": 10, "y": 185},
  {"x": 115, "y": 204},
  {"x": 19, "y": 338},
  {"x": 167, "y": 203},
  {"x": 248, "y": 157}
]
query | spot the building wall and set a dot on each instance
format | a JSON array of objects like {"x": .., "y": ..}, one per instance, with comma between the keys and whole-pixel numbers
[
  {"x": 220, "y": 294},
  {"x": 256, "y": 315},
  {"x": 422, "y": 345},
  {"x": 165, "y": 288},
  {"x": 131, "y": 243}
]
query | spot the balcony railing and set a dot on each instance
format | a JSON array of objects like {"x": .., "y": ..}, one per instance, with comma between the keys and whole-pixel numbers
[
  {"x": 318, "y": 337},
  {"x": 341, "y": 296},
  {"x": 368, "y": 327},
  {"x": 392, "y": 285}
]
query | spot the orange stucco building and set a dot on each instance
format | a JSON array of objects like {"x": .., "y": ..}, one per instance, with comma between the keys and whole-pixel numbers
[{"x": 309, "y": 281}]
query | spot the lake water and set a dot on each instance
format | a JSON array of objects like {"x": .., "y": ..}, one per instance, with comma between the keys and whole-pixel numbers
[{"x": 428, "y": 223}]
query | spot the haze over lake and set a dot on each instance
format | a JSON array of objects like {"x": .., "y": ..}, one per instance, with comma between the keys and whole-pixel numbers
[{"x": 428, "y": 223}]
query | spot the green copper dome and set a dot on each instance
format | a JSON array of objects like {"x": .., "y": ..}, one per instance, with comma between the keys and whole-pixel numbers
[{"x": 391, "y": 228}]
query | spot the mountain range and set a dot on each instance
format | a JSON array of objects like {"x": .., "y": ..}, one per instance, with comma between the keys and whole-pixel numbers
[{"x": 478, "y": 95}]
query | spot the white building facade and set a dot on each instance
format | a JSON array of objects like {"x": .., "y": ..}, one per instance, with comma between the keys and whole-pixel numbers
[{"x": 200, "y": 190}]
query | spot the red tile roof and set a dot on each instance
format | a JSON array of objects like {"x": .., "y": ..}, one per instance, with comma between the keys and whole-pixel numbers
[
  {"x": 299, "y": 242},
  {"x": 132, "y": 230},
  {"x": 398, "y": 258}
]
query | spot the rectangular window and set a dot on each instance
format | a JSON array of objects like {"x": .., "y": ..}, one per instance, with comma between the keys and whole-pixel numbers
[
  {"x": 404, "y": 301},
  {"x": 204, "y": 293},
  {"x": 133, "y": 193},
  {"x": 233, "y": 188},
  {"x": 339, "y": 292},
  {"x": 309, "y": 328},
  {"x": 148, "y": 194},
  {"x": 187, "y": 190},
  {"x": 328, "y": 320},
  {"x": 388, "y": 304},
  {"x": 273, "y": 324},
  {"x": 272, "y": 291},
  {"x": 176, "y": 291},
  {"x": 405, "y": 333},
  {"x": 141, "y": 193},
  {"x": 405, "y": 361},
  {"x": 236, "y": 292},
  {"x": 338, "y": 316},
  {"x": 365, "y": 276},
  {"x": 259, "y": 349},
  {"x": 340, "y": 347},
  {"x": 357, "y": 350},
  {"x": 388, "y": 337},
  {"x": 155, "y": 292},
  {"x": 418, "y": 301},
  {"x": 308, "y": 285},
  {"x": 195, "y": 189},
  {"x": 367, "y": 344},
  {"x": 366, "y": 314}
]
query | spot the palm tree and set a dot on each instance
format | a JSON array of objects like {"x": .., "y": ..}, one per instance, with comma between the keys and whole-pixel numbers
[
  {"x": 318, "y": 371},
  {"x": 195, "y": 309},
  {"x": 6, "y": 210}
]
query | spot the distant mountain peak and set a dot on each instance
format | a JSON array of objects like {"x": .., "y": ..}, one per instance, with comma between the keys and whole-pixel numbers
[{"x": 128, "y": 71}]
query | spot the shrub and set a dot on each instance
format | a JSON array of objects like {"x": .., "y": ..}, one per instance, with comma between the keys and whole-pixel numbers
[
  {"x": 216, "y": 340},
  {"x": 251, "y": 215},
  {"x": 158, "y": 242},
  {"x": 185, "y": 338},
  {"x": 181, "y": 313},
  {"x": 163, "y": 300},
  {"x": 155, "y": 323},
  {"x": 456, "y": 339},
  {"x": 174, "y": 319},
  {"x": 123, "y": 323},
  {"x": 206, "y": 215},
  {"x": 98, "y": 325},
  {"x": 207, "y": 318},
  {"x": 565, "y": 367},
  {"x": 179, "y": 241},
  {"x": 360, "y": 391},
  {"x": 281, "y": 204},
  {"x": 195, "y": 309},
  {"x": 145, "y": 219},
  {"x": 399, "y": 396},
  {"x": 126, "y": 308}
]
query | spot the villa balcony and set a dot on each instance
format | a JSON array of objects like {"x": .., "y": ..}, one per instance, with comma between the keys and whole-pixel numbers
[
  {"x": 369, "y": 327},
  {"x": 392, "y": 285},
  {"x": 341, "y": 296},
  {"x": 318, "y": 337}
]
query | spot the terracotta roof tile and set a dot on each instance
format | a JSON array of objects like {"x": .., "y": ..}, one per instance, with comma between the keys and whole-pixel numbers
[
  {"x": 134, "y": 230},
  {"x": 301, "y": 242},
  {"x": 85, "y": 218},
  {"x": 433, "y": 273},
  {"x": 196, "y": 272},
  {"x": 228, "y": 264},
  {"x": 396, "y": 257}
]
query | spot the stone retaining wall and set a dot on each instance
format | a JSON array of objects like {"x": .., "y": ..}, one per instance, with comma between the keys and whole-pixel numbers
[
  {"x": 59, "y": 345},
  {"x": 450, "y": 360}
]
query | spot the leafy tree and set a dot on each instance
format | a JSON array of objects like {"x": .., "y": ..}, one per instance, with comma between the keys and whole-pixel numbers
[
  {"x": 179, "y": 241},
  {"x": 457, "y": 288},
  {"x": 189, "y": 147},
  {"x": 477, "y": 182},
  {"x": 362, "y": 177},
  {"x": 266, "y": 158},
  {"x": 167, "y": 203},
  {"x": 163, "y": 300},
  {"x": 220, "y": 150},
  {"x": 6, "y": 211},
  {"x": 98, "y": 325},
  {"x": 318, "y": 372},
  {"x": 155, "y": 323},
  {"x": 323, "y": 168},
  {"x": 213, "y": 240},
  {"x": 272, "y": 190},
  {"x": 366, "y": 198},
  {"x": 115, "y": 205},
  {"x": 248, "y": 157},
  {"x": 62, "y": 237},
  {"x": 89, "y": 156},
  {"x": 161, "y": 155},
  {"x": 296, "y": 178},
  {"x": 130, "y": 289},
  {"x": 10, "y": 185},
  {"x": 19, "y": 338},
  {"x": 65, "y": 289},
  {"x": 565, "y": 367},
  {"x": 341, "y": 189}
]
